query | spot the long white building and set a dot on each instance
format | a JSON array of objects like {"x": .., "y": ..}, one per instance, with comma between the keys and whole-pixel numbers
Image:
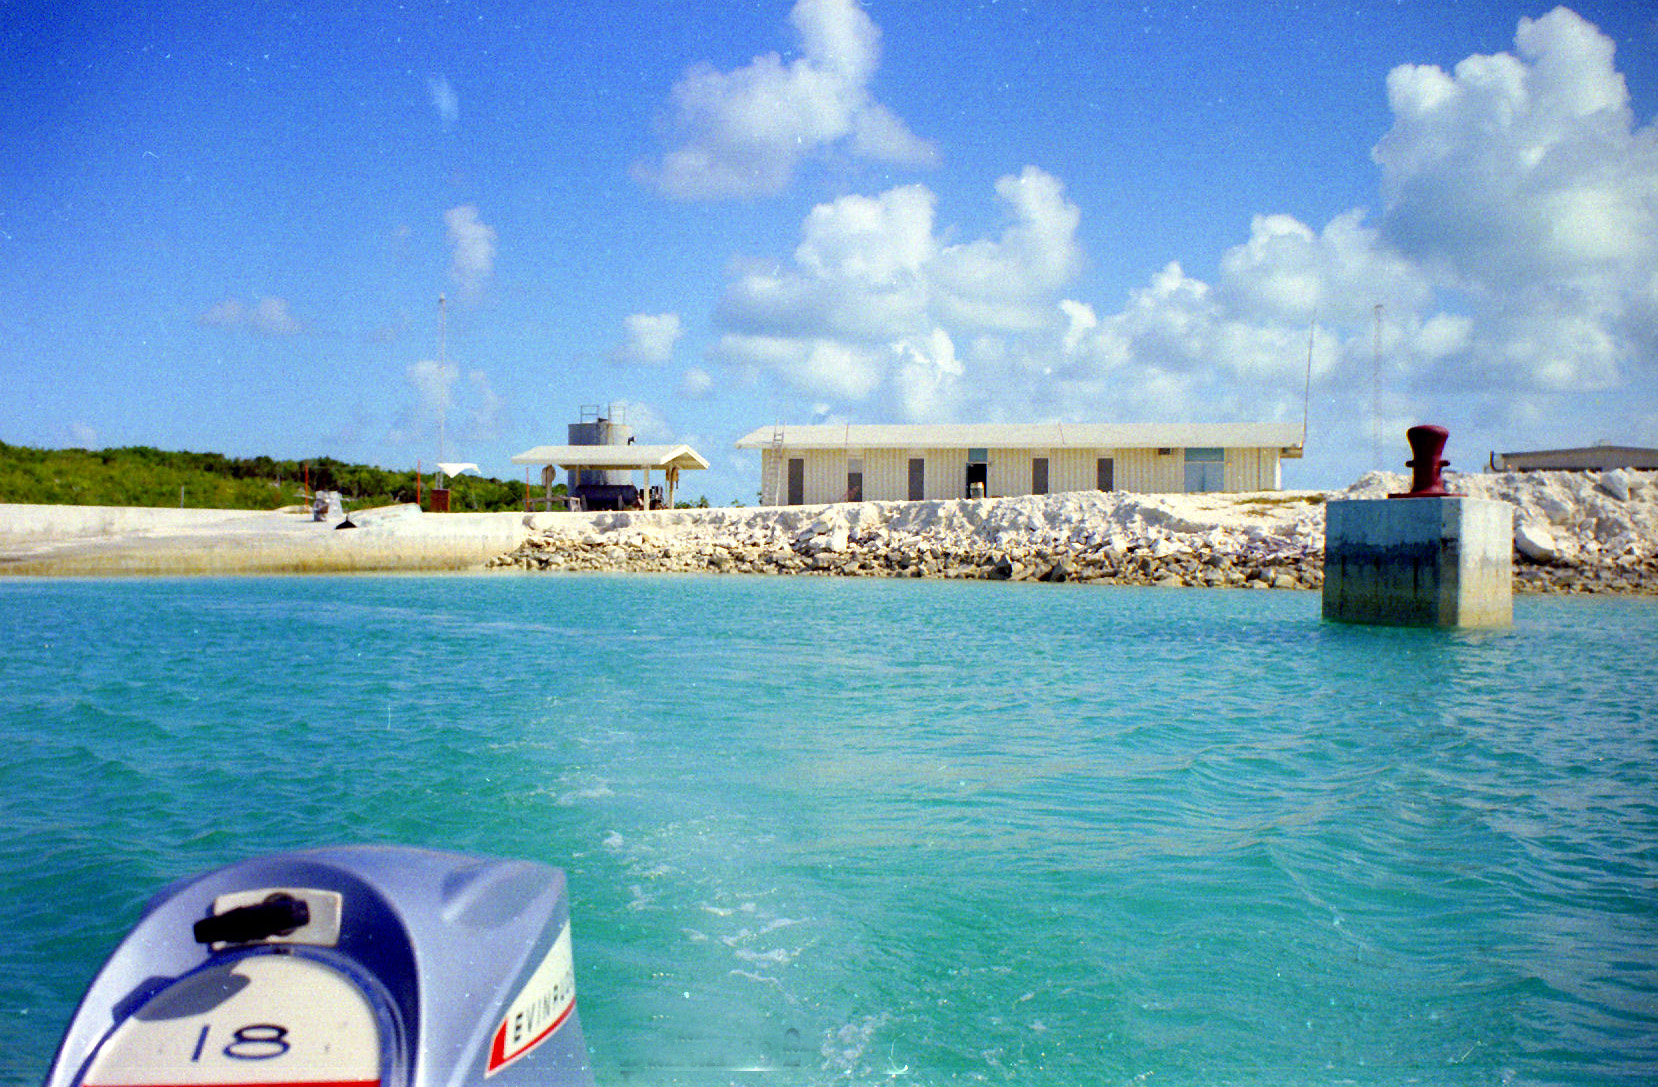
[{"x": 806, "y": 465}]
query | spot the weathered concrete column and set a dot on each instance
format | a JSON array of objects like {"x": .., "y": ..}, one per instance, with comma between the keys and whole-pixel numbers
[
  {"x": 1426, "y": 558},
  {"x": 1419, "y": 562}
]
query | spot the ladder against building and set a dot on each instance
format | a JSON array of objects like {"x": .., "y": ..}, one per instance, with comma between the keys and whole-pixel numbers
[{"x": 771, "y": 490}]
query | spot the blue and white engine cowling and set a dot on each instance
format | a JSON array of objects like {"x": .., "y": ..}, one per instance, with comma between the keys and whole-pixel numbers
[{"x": 359, "y": 966}]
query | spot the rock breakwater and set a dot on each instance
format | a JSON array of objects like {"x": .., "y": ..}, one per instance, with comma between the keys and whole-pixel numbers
[{"x": 1574, "y": 532}]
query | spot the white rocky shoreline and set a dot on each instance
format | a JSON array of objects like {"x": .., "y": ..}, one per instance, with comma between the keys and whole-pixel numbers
[{"x": 1574, "y": 532}]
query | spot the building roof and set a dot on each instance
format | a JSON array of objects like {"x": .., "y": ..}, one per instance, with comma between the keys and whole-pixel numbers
[
  {"x": 1286, "y": 437},
  {"x": 620, "y": 457},
  {"x": 1579, "y": 459}
]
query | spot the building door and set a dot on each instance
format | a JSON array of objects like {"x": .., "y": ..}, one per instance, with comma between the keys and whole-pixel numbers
[
  {"x": 1107, "y": 474},
  {"x": 1205, "y": 470},
  {"x": 918, "y": 478},
  {"x": 1039, "y": 475},
  {"x": 797, "y": 481},
  {"x": 978, "y": 473}
]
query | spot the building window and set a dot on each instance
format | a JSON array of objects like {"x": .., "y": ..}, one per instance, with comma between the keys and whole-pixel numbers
[
  {"x": 855, "y": 479},
  {"x": 1205, "y": 470},
  {"x": 1106, "y": 474},
  {"x": 1039, "y": 475},
  {"x": 918, "y": 478}
]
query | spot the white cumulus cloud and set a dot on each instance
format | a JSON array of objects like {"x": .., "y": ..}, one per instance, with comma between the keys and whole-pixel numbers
[
  {"x": 434, "y": 385},
  {"x": 648, "y": 339},
  {"x": 1510, "y": 270},
  {"x": 1522, "y": 182},
  {"x": 695, "y": 384},
  {"x": 876, "y": 303},
  {"x": 744, "y": 132},
  {"x": 465, "y": 411},
  {"x": 484, "y": 408},
  {"x": 269, "y": 316},
  {"x": 272, "y": 317},
  {"x": 473, "y": 242},
  {"x": 444, "y": 100}
]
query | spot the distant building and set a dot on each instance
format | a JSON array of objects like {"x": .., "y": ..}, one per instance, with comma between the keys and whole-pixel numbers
[
  {"x": 802, "y": 465},
  {"x": 1588, "y": 458}
]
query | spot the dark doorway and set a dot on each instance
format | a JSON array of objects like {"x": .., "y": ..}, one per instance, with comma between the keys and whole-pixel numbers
[
  {"x": 978, "y": 475},
  {"x": 918, "y": 479},
  {"x": 1107, "y": 474},
  {"x": 797, "y": 481},
  {"x": 1039, "y": 475}
]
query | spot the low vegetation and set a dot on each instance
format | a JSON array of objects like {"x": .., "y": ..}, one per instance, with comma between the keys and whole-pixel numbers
[
  {"x": 1263, "y": 504},
  {"x": 142, "y": 476}
]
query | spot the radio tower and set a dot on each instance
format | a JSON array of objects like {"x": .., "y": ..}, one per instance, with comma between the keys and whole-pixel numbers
[
  {"x": 443, "y": 369},
  {"x": 1376, "y": 392}
]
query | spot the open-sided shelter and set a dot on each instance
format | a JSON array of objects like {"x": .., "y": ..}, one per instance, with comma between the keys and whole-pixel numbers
[{"x": 670, "y": 460}]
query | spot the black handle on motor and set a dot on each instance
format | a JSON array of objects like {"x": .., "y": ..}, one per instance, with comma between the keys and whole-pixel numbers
[{"x": 278, "y": 915}]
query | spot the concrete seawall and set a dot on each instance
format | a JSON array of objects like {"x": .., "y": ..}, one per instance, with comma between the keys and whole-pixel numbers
[{"x": 96, "y": 541}]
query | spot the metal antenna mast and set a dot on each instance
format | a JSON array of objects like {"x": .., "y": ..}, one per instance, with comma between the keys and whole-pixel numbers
[
  {"x": 1307, "y": 389},
  {"x": 1376, "y": 393},
  {"x": 443, "y": 369}
]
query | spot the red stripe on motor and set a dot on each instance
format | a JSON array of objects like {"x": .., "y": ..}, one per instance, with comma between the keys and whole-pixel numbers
[{"x": 497, "y": 1052}]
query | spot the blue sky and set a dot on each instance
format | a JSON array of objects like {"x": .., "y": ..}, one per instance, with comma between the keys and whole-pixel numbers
[{"x": 226, "y": 228}]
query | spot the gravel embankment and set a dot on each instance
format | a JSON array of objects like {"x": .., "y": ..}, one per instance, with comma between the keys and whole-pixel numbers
[{"x": 1574, "y": 532}]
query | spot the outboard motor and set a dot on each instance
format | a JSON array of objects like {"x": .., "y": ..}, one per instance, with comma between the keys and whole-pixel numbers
[{"x": 372, "y": 966}]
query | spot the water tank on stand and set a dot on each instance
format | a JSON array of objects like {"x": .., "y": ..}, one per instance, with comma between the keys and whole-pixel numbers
[{"x": 601, "y": 425}]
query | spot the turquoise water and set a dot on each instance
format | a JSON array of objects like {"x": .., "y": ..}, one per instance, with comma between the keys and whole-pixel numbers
[{"x": 892, "y": 832}]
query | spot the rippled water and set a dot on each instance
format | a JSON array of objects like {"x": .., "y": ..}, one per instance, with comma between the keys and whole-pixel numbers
[{"x": 908, "y": 832}]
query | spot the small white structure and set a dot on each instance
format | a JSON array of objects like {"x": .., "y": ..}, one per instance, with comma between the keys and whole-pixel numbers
[
  {"x": 454, "y": 468},
  {"x": 801, "y": 465}
]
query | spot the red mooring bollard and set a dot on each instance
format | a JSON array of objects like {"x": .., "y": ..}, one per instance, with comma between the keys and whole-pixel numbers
[{"x": 1426, "y": 444}]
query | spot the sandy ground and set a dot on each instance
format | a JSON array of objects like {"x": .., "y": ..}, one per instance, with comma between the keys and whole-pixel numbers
[{"x": 109, "y": 541}]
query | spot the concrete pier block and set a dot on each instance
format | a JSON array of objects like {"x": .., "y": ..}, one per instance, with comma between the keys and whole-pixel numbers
[{"x": 1432, "y": 562}]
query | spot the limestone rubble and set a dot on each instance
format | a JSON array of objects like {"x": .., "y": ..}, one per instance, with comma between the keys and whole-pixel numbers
[{"x": 1574, "y": 532}]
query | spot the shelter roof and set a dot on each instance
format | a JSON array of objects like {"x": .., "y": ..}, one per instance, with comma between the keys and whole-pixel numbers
[
  {"x": 1286, "y": 437},
  {"x": 619, "y": 457}
]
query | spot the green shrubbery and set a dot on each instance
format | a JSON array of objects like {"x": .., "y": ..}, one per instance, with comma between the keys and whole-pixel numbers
[{"x": 142, "y": 476}]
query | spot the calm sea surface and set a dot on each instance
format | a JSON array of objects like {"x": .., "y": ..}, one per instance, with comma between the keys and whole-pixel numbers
[{"x": 891, "y": 832}]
